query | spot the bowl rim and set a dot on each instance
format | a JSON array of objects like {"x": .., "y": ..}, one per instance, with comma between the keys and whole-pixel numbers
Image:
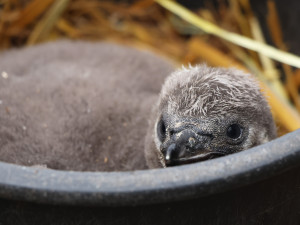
[{"x": 42, "y": 185}]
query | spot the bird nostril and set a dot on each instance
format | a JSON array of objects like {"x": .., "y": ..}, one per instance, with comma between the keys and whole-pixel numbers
[
  {"x": 172, "y": 132},
  {"x": 204, "y": 134}
]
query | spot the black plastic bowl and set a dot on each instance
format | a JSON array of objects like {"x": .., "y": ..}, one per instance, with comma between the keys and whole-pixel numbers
[{"x": 225, "y": 190}]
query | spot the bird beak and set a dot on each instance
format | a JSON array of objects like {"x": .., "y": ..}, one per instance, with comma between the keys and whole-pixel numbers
[{"x": 188, "y": 146}]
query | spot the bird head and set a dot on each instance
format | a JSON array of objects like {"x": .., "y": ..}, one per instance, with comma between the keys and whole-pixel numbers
[{"x": 204, "y": 113}]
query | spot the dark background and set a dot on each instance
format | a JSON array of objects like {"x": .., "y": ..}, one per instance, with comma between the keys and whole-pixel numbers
[{"x": 289, "y": 14}]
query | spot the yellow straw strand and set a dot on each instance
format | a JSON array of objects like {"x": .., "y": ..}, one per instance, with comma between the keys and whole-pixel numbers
[
  {"x": 245, "y": 42},
  {"x": 48, "y": 21}
]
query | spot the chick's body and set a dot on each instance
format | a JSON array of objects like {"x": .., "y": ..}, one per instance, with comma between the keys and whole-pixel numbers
[{"x": 77, "y": 106}]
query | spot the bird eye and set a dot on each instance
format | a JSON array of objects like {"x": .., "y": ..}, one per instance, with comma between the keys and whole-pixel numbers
[
  {"x": 234, "y": 131},
  {"x": 161, "y": 130}
]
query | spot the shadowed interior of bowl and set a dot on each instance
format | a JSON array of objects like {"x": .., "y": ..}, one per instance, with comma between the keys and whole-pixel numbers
[{"x": 150, "y": 186}]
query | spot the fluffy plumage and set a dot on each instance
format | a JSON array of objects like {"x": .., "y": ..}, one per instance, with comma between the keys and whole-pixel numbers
[
  {"x": 97, "y": 107},
  {"x": 205, "y": 91},
  {"x": 77, "y": 106}
]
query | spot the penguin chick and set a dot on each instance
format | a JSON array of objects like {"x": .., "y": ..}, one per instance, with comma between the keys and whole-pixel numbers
[
  {"x": 205, "y": 112},
  {"x": 82, "y": 106}
]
